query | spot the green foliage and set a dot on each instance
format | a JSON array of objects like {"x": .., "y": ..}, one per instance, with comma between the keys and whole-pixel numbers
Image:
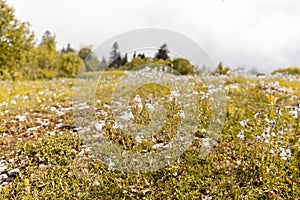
[
  {"x": 52, "y": 167},
  {"x": 183, "y": 66},
  {"x": 136, "y": 62},
  {"x": 221, "y": 70},
  {"x": 115, "y": 58},
  {"x": 162, "y": 52},
  {"x": 69, "y": 65},
  {"x": 89, "y": 58},
  {"x": 42, "y": 61},
  {"x": 289, "y": 70},
  {"x": 47, "y": 56},
  {"x": 16, "y": 40}
]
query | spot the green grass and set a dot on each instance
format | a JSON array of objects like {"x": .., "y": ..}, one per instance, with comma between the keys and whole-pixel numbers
[{"x": 54, "y": 165}]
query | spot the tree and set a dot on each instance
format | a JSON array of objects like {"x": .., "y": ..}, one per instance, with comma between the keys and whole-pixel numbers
[
  {"x": 16, "y": 40},
  {"x": 84, "y": 52},
  {"x": 69, "y": 49},
  {"x": 124, "y": 59},
  {"x": 162, "y": 52},
  {"x": 69, "y": 65},
  {"x": 103, "y": 64},
  {"x": 43, "y": 60},
  {"x": 115, "y": 59},
  {"x": 183, "y": 66},
  {"x": 89, "y": 58},
  {"x": 221, "y": 70},
  {"x": 47, "y": 57},
  {"x": 288, "y": 70},
  {"x": 115, "y": 52}
]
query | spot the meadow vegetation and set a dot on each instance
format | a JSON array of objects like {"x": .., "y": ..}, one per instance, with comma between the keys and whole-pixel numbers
[{"x": 255, "y": 156}]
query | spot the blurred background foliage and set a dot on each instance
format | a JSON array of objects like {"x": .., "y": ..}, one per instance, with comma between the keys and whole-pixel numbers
[{"x": 23, "y": 57}]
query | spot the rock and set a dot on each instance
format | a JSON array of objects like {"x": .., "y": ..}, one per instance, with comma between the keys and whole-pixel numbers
[
  {"x": 42, "y": 167},
  {"x": 13, "y": 172},
  {"x": 5, "y": 183},
  {"x": 2, "y": 168},
  {"x": 3, "y": 177}
]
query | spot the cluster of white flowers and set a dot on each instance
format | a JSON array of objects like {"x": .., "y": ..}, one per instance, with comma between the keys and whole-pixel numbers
[
  {"x": 241, "y": 135},
  {"x": 21, "y": 118},
  {"x": 127, "y": 115},
  {"x": 137, "y": 99},
  {"x": 174, "y": 94},
  {"x": 111, "y": 164},
  {"x": 285, "y": 153},
  {"x": 257, "y": 115},
  {"x": 4, "y": 104},
  {"x": 181, "y": 114},
  {"x": 139, "y": 137},
  {"x": 244, "y": 123},
  {"x": 295, "y": 111},
  {"x": 269, "y": 134},
  {"x": 162, "y": 145},
  {"x": 206, "y": 143}
]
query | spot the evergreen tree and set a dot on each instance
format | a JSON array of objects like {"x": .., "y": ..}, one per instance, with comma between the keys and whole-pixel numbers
[
  {"x": 162, "y": 52},
  {"x": 115, "y": 59},
  {"x": 115, "y": 52},
  {"x": 221, "y": 70},
  {"x": 69, "y": 49},
  {"x": 47, "y": 57},
  {"x": 103, "y": 64}
]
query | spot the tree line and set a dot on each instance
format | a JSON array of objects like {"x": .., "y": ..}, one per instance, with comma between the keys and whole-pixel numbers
[{"x": 21, "y": 56}]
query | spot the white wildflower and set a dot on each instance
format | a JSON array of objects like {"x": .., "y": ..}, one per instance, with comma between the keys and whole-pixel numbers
[
  {"x": 25, "y": 97},
  {"x": 98, "y": 127},
  {"x": 127, "y": 115},
  {"x": 273, "y": 134},
  {"x": 51, "y": 133},
  {"x": 139, "y": 137},
  {"x": 21, "y": 118},
  {"x": 241, "y": 135},
  {"x": 175, "y": 92},
  {"x": 181, "y": 114},
  {"x": 244, "y": 123},
  {"x": 267, "y": 119},
  {"x": 278, "y": 111},
  {"x": 267, "y": 141},
  {"x": 206, "y": 142},
  {"x": 285, "y": 153},
  {"x": 157, "y": 146},
  {"x": 137, "y": 99},
  {"x": 111, "y": 164},
  {"x": 256, "y": 115},
  {"x": 13, "y": 102},
  {"x": 34, "y": 128},
  {"x": 265, "y": 134},
  {"x": 149, "y": 106},
  {"x": 280, "y": 131}
]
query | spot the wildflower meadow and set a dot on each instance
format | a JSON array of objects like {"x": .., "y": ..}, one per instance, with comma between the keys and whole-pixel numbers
[{"x": 254, "y": 156}]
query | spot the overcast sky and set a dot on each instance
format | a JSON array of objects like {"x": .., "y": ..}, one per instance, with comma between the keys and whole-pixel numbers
[{"x": 255, "y": 33}]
